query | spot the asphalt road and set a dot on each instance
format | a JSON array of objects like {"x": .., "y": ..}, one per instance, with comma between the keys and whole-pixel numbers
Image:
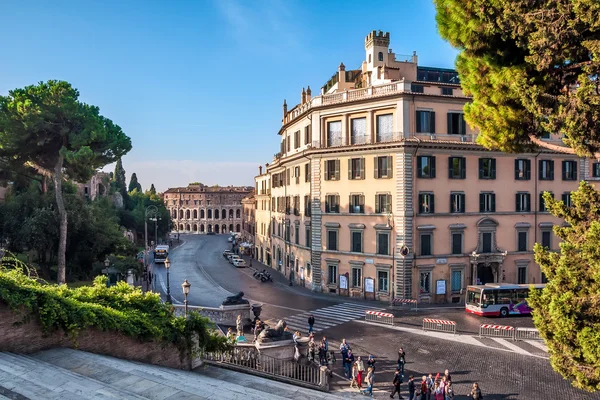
[{"x": 504, "y": 369}]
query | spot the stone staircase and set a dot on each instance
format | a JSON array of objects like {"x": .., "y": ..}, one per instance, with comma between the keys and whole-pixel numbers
[{"x": 71, "y": 374}]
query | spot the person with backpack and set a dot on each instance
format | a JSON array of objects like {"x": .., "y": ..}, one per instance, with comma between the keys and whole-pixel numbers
[
  {"x": 396, "y": 382},
  {"x": 369, "y": 381},
  {"x": 476, "y": 392},
  {"x": 449, "y": 391}
]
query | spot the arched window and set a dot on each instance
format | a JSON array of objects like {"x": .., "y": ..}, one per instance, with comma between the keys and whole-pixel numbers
[
  {"x": 195, "y": 228},
  {"x": 380, "y": 56},
  {"x": 195, "y": 214},
  {"x": 223, "y": 213},
  {"x": 209, "y": 212},
  {"x": 187, "y": 227},
  {"x": 224, "y": 228},
  {"x": 217, "y": 228},
  {"x": 209, "y": 228},
  {"x": 230, "y": 213},
  {"x": 237, "y": 227},
  {"x": 180, "y": 214},
  {"x": 187, "y": 214},
  {"x": 201, "y": 228},
  {"x": 201, "y": 214},
  {"x": 230, "y": 227},
  {"x": 174, "y": 214},
  {"x": 180, "y": 227},
  {"x": 237, "y": 213}
]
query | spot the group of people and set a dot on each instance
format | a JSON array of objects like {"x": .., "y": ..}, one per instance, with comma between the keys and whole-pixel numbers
[
  {"x": 356, "y": 370},
  {"x": 320, "y": 350}
]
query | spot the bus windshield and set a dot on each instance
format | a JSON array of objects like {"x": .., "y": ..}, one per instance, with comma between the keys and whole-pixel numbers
[
  {"x": 161, "y": 253},
  {"x": 474, "y": 296}
]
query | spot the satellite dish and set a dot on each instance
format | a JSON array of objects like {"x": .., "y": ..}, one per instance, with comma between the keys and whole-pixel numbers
[{"x": 404, "y": 251}]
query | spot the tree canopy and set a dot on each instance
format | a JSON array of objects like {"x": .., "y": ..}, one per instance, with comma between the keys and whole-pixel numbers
[
  {"x": 134, "y": 184},
  {"x": 46, "y": 127},
  {"x": 567, "y": 311},
  {"x": 152, "y": 189},
  {"x": 532, "y": 68}
]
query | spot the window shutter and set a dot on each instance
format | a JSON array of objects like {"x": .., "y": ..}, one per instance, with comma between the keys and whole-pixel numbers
[
  {"x": 432, "y": 169},
  {"x": 528, "y": 205},
  {"x": 540, "y": 174},
  {"x": 432, "y": 121},
  {"x": 463, "y": 168},
  {"x": 362, "y": 200},
  {"x": 463, "y": 205},
  {"x": 575, "y": 170},
  {"x": 564, "y": 170},
  {"x": 481, "y": 202},
  {"x": 390, "y": 170},
  {"x": 450, "y": 169},
  {"x": 362, "y": 168},
  {"x": 517, "y": 202},
  {"x": 516, "y": 169},
  {"x": 493, "y": 202},
  {"x": 337, "y": 203},
  {"x": 481, "y": 168},
  {"x": 527, "y": 169},
  {"x": 350, "y": 169},
  {"x": 463, "y": 124},
  {"x": 542, "y": 205},
  {"x": 377, "y": 203},
  {"x": 389, "y": 202},
  {"x": 419, "y": 169},
  {"x": 431, "y": 203},
  {"x": 452, "y": 202},
  {"x": 449, "y": 118},
  {"x": 337, "y": 170},
  {"x": 565, "y": 197},
  {"x": 551, "y": 170},
  {"x": 375, "y": 167},
  {"x": 493, "y": 168},
  {"x": 326, "y": 170},
  {"x": 419, "y": 128}
]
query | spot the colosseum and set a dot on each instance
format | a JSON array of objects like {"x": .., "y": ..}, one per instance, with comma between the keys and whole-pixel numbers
[{"x": 201, "y": 209}]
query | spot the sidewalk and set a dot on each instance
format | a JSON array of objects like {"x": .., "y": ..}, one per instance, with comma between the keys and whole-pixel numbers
[{"x": 284, "y": 283}]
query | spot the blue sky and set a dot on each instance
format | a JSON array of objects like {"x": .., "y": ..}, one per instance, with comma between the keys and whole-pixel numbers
[{"x": 198, "y": 85}]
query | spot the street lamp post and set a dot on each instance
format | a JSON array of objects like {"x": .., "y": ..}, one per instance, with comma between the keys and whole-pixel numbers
[
  {"x": 186, "y": 290},
  {"x": 150, "y": 211},
  {"x": 390, "y": 224},
  {"x": 167, "y": 266}
]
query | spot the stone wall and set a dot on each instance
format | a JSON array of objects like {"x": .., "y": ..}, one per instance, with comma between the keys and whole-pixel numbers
[{"x": 27, "y": 338}]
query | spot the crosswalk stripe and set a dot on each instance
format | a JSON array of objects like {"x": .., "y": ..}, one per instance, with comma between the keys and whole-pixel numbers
[
  {"x": 356, "y": 306},
  {"x": 510, "y": 346},
  {"x": 335, "y": 317},
  {"x": 538, "y": 344}
]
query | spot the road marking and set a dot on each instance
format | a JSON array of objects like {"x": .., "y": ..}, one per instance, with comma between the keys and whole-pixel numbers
[
  {"x": 537, "y": 343},
  {"x": 510, "y": 345}
]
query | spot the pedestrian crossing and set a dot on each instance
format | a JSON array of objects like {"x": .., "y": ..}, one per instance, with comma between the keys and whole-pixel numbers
[{"x": 327, "y": 317}]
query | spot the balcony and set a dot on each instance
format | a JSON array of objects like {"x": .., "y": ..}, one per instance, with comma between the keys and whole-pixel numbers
[{"x": 391, "y": 137}]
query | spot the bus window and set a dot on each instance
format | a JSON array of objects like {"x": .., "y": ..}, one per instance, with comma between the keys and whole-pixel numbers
[
  {"x": 520, "y": 295},
  {"x": 504, "y": 296},
  {"x": 489, "y": 298},
  {"x": 474, "y": 297}
]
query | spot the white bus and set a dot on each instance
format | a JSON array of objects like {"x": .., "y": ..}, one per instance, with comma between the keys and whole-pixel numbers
[
  {"x": 161, "y": 253},
  {"x": 493, "y": 299}
]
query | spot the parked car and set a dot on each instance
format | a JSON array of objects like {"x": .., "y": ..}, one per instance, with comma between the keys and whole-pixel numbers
[
  {"x": 227, "y": 253},
  {"x": 233, "y": 257},
  {"x": 239, "y": 263},
  {"x": 230, "y": 239}
]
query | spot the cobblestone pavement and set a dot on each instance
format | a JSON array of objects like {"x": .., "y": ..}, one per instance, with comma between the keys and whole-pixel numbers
[{"x": 502, "y": 375}]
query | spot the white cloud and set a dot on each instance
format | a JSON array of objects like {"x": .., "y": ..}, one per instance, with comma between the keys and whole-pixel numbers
[{"x": 176, "y": 173}]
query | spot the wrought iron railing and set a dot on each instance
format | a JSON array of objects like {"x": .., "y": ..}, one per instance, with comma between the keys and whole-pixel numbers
[{"x": 249, "y": 358}]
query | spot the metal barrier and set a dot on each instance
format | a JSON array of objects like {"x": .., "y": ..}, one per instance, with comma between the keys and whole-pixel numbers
[
  {"x": 501, "y": 331},
  {"x": 381, "y": 317},
  {"x": 249, "y": 359},
  {"x": 401, "y": 302},
  {"x": 439, "y": 325},
  {"x": 527, "y": 334}
]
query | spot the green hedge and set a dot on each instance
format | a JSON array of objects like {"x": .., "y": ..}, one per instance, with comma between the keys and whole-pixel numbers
[{"x": 119, "y": 308}]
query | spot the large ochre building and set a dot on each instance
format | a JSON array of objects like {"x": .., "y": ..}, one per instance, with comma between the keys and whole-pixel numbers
[{"x": 379, "y": 189}]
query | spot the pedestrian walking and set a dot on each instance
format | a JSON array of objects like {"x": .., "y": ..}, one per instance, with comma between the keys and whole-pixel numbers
[
  {"x": 354, "y": 382},
  {"x": 360, "y": 366},
  {"x": 349, "y": 362},
  {"x": 311, "y": 349},
  {"x": 449, "y": 391},
  {"x": 311, "y": 322},
  {"x": 424, "y": 388},
  {"x": 476, "y": 392},
  {"x": 438, "y": 392},
  {"x": 322, "y": 354},
  {"x": 447, "y": 375},
  {"x": 429, "y": 382},
  {"x": 344, "y": 350},
  {"x": 396, "y": 383},
  {"x": 369, "y": 382},
  {"x": 401, "y": 360},
  {"x": 412, "y": 388},
  {"x": 371, "y": 362}
]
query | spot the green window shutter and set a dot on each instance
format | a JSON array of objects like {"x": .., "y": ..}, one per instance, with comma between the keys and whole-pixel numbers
[
  {"x": 493, "y": 168},
  {"x": 337, "y": 170},
  {"x": 350, "y": 169},
  {"x": 432, "y": 166},
  {"x": 362, "y": 168},
  {"x": 375, "y": 167},
  {"x": 449, "y": 120},
  {"x": 432, "y": 203},
  {"x": 377, "y": 203},
  {"x": 493, "y": 202},
  {"x": 463, "y": 168},
  {"x": 326, "y": 170},
  {"x": 390, "y": 171},
  {"x": 432, "y": 121}
]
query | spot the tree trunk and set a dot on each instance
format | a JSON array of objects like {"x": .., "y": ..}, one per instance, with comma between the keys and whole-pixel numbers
[
  {"x": 62, "y": 213},
  {"x": 44, "y": 184}
]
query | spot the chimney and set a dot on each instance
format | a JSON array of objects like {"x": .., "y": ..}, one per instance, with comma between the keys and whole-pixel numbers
[
  {"x": 284, "y": 108},
  {"x": 303, "y": 97},
  {"x": 260, "y": 169},
  {"x": 342, "y": 73},
  {"x": 308, "y": 93},
  {"x": 415, "y": 58}
]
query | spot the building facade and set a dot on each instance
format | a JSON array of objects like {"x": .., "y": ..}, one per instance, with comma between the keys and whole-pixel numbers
[
  {"x": 262, "y": 219},
  {"x": 248, "y": 221},
  {"x": 200, "y": 209},
  {"x": 379, "y": 189}
]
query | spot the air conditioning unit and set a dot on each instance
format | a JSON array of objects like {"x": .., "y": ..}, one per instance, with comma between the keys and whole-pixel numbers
[
  {"x": 464, "y": 139},
  {"x": 432, "y": 137}
]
